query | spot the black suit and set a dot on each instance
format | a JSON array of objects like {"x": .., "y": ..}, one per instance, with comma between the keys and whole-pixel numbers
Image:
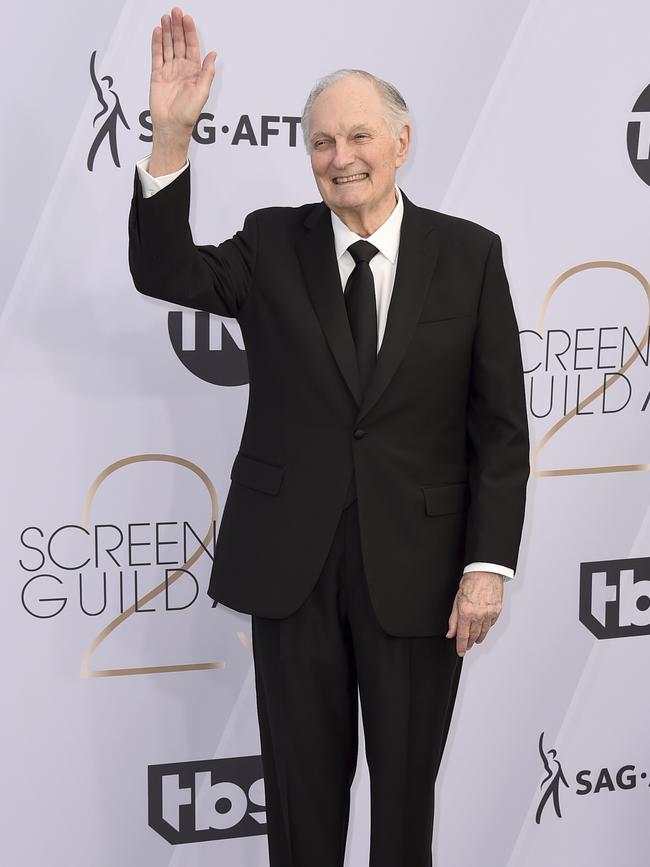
[
  {"x": 437, "y": 449},
  {"x": 439, "y": 443}
]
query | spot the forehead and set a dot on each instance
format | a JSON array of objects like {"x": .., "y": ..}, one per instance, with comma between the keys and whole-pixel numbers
[{"x": 349, "y": 102}]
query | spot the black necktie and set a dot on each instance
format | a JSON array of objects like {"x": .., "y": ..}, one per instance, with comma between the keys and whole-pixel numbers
[{"x": 361, "y": 305}]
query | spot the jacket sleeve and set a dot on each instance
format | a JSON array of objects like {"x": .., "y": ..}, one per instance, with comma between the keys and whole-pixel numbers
[
  {"x": 497, "y": 425},
  {"x": 165, "y": 263}
]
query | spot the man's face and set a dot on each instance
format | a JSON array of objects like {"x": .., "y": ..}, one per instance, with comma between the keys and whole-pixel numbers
[{"x": 354, "y": 156}]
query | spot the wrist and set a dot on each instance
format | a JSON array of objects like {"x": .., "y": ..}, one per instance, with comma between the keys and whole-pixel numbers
[{"x": 168, "y": 154}]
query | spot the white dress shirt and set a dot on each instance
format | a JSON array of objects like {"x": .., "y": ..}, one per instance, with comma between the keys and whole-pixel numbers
[{"x": 383, "y": 266}]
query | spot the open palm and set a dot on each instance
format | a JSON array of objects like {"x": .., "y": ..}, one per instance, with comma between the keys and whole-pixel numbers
[{"x": 180, "y": 83}]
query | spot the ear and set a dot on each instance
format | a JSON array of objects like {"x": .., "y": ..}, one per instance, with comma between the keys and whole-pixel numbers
[{"x": 403, "y": 142}]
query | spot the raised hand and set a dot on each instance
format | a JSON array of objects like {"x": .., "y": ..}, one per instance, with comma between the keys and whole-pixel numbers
[{"x": 179, "y": 87}]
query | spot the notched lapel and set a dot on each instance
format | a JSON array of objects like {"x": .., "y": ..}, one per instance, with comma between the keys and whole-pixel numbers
[
  {"x": 318, "y": 261},
  {"x": 416, "y": 262}
]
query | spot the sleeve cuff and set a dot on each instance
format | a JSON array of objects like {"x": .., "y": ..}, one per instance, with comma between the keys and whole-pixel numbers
[
  {"x": 504, "y": 571},
  {"x": 150, "y": 185}
]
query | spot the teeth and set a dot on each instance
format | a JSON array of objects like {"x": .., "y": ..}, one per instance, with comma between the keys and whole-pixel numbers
[{"x": 345, "y": 180}]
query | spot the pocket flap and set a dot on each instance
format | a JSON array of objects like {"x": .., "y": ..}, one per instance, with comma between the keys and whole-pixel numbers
[
  {"x": 256, "y": 474},
  {"x": 445, "y": 499},
  {"x": 427, "y": 321}
]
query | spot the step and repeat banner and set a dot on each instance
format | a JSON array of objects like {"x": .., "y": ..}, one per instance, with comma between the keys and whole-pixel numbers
[{"x": 129, "y": 730}]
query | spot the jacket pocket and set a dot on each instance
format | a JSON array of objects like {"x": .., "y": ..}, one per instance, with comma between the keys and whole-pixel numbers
[
  {"x": 445, "y": 499},
  {"x": 256, "y": 474},
  {"x": 445, "y": 318}
]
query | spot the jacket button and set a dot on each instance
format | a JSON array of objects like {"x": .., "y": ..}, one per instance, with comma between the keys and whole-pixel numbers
[{"x": 359, "y": 433}]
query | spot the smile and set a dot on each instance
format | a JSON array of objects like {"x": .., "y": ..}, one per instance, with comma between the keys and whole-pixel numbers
[{"x": 347, "y": 179}]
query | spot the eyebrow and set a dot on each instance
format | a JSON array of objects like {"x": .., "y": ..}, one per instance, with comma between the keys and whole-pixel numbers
[{"x": 355, "y": 128}]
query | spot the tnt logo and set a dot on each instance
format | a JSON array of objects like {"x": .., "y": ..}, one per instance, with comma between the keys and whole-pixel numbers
[
  {"x": 638, "y": 136},
  {"x": 207, "y": 348},
  {"x": 215, "y": 799},
  {"x": 615, "y": 597}
]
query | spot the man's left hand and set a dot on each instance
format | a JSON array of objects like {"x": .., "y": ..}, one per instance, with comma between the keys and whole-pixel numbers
[{"x": 477, "y": 605}]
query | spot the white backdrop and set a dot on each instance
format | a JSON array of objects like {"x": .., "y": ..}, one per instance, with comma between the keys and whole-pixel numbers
[{"x": 116, "y": 454}]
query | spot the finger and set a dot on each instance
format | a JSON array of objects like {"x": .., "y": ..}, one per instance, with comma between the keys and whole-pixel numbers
[
  {"x": 475, "y": 629},
  {"x": 462, "y": 636},
  {"x": 168, "y": 50},
  {"x": 473, "y": 633},
  {"x": 488, "y": 623},
  {"x": 178, "y": 33},
  {"x": 207, "y": 70},
  {"x": 156, "y": 49},
  {"x": 192, "y": 47}
]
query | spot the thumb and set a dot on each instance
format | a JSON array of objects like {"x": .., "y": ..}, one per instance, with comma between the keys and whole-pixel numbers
[
  {"x": 453, "y": 621},
  {"x": 207, "y": 69}
]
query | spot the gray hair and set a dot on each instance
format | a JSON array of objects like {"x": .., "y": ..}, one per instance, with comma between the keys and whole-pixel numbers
[{"x": 396, "y": 109}]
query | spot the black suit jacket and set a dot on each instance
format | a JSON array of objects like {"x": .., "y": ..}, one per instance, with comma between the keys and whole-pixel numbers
[{"x": 439, "y": 442}]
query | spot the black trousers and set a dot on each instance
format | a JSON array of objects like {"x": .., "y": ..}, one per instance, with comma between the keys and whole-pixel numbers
[{"x": 308, "y": 667}]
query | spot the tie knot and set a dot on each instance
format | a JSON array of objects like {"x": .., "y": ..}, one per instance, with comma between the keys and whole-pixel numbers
[{"x": 362, "y": 251}]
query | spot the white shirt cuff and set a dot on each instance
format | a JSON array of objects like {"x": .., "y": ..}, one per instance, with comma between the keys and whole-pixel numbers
[
  {"x": 150, "y": 185},
  {"x": 505, "y": 571}
]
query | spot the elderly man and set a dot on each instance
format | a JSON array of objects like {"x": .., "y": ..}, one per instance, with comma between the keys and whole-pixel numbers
[{"x": 378, "y": 493}]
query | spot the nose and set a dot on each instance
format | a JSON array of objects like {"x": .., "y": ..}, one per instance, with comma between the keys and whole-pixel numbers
[{"x": 343, "y": 154}]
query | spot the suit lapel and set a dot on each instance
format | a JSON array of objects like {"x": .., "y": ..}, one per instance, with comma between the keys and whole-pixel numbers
[
  {"x": 418, "y": 253},
  {"x": 318, "y": 261}
]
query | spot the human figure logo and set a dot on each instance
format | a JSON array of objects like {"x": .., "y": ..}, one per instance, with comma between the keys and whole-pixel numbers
[
  {"x": 551, "y": 783},
  {"x": 111, "y": 111}
]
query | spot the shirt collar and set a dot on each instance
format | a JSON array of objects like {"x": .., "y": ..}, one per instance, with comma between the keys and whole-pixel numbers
[{"x": 385, "y": 238}]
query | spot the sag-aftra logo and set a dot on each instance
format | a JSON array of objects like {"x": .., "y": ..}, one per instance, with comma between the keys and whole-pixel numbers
[{"x": 264, "y": 130}]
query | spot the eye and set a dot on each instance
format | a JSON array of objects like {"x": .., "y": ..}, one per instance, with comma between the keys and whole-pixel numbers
[{"x": 361, "y": 135}]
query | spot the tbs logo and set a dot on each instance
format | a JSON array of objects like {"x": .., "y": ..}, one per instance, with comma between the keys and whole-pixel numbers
[
  {"x": 615, "y": 597},
  {"x": 638, "y": 136},
  {"x": 214, "y": 799}
]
